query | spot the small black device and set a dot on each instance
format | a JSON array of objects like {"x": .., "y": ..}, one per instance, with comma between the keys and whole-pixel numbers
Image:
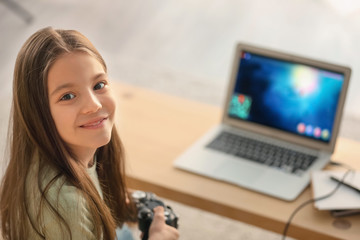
[{"x": 145, "y": 203}]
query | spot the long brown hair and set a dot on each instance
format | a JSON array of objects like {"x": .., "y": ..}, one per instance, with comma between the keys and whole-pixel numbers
[{"x": 32, "y": 131}]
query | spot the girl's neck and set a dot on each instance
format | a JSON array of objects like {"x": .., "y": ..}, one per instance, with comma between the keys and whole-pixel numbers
[{"x": 85, "y": 156}]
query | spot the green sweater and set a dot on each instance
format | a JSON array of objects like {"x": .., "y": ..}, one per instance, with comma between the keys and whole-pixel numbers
[{"x": 71, "y": 205}]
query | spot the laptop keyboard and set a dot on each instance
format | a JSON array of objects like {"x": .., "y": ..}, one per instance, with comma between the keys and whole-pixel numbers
[{"x": 282, "y": 158}]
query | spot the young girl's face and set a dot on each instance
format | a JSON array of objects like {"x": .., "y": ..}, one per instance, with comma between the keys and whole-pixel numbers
[{"x": 81, "y": 102}]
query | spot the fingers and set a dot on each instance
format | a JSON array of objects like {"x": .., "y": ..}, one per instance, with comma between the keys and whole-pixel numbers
[
  {"x": 159, "y": 229},
  {"x": 159, "y": 214}
]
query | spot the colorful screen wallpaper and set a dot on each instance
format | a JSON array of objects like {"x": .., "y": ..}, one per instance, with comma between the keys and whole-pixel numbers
[{"x": 285, "y": 95}]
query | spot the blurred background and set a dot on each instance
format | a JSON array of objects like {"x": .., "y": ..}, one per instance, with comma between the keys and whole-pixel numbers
[{"x": 185, "y": 48}]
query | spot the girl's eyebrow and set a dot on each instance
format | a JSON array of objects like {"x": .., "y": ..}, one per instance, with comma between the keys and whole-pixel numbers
[
  {"x": 70, "y": 85},
  {"x": 61, "y": 87},
  {"x": 100, "y": 75}
]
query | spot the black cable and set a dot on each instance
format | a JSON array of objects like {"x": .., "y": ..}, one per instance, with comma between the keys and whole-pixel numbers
[{"x": 319, "y": 198}]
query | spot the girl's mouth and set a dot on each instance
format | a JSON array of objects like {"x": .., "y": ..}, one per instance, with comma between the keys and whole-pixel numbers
[{"x": 94, "y": 124}]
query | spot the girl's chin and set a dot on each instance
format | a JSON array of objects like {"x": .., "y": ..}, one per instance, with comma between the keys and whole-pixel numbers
[{"x": 95, "y": 144}]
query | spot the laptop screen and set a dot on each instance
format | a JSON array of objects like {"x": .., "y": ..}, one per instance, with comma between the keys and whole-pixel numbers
[{"x": 288, "y": 96}]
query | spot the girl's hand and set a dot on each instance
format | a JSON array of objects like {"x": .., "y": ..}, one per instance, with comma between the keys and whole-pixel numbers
[{"x": 159, "y": 230}]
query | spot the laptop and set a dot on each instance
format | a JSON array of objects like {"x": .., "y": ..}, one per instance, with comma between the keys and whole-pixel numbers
[{"x": 281, "y": 118}]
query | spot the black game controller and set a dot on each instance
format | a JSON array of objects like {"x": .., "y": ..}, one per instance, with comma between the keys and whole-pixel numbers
[{"x": 145, "y": 203}]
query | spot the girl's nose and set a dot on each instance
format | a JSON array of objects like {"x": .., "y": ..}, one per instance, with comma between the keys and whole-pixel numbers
[{"x": 91, "y": 103}]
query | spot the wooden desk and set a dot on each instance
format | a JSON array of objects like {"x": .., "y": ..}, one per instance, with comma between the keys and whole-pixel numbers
[{"x": 156, "y": 128}]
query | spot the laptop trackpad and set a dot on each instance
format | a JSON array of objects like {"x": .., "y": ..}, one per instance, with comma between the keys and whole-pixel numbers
[{"x": 239, "y": 172}]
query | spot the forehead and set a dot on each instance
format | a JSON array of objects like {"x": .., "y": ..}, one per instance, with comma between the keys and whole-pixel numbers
[{"x": 73, "y": 67}]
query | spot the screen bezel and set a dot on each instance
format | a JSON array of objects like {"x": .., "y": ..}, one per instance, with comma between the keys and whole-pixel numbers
[{"x": 277, "y": 133}]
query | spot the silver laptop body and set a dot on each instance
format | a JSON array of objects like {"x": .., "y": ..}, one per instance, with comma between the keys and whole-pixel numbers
[{"x": 284, "y": 102}]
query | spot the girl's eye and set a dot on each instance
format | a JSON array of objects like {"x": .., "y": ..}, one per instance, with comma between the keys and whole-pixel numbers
[
  {"x": 67, "y": 96},
  {"x": 99, "y": 86}
]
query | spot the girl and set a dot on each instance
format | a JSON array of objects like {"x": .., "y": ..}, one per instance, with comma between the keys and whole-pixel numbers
[{"x": 65, "y": 177}]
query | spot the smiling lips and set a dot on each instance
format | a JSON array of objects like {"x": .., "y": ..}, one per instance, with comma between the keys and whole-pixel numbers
[{"x": 94, "y": 124}]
